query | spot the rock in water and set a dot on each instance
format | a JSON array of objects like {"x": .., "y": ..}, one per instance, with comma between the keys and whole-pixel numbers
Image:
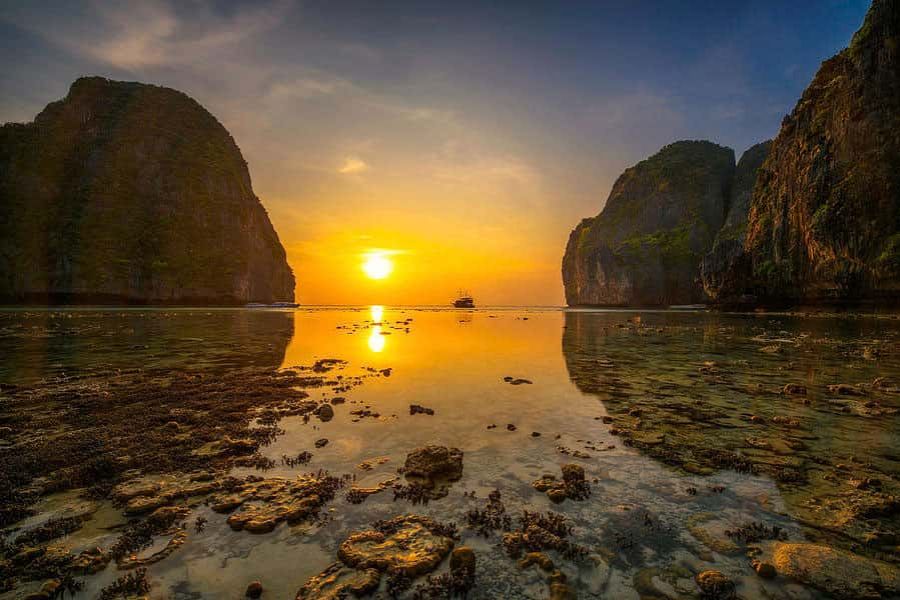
[
  {"x": 836, "y": 572},
  {"x": 714, "y": 585},
  {"x": 408, "y": 544},
  {"x": 429, "y": 465},
  {"x": 338, "y": 582},
  {"x": 462, "y": 561},
  {"x": 660, "y": 219},
  {"x": 126, "y": 192},
  {"x": 728, "y": 247},
  {"x": 824, "y": 224},
  {"x": 254, "y": 590}
]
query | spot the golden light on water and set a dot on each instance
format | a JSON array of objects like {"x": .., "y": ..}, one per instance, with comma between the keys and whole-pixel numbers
[
  {"x": 377, "y": 265},
  {"x": 377, "y": 312},
  {"x": 377, "y": 341}
]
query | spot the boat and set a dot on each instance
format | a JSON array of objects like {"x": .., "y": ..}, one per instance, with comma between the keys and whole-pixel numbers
[{"x": 464, "y": 300}]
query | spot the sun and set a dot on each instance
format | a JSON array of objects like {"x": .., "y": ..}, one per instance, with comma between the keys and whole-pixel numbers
[{"x": 377, "y": 266}]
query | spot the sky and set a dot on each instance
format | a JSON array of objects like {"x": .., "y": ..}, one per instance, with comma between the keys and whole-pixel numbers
[{"x": 460, "y": 140}]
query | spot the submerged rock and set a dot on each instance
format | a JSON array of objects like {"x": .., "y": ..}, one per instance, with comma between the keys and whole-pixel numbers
[
  {"x": 844, "y": 389},
  {"x": 337, "y": 581},
  {"x": 764, "y": 569},
  {"x": 357, "y": 494},
  {"x": 432, "y": 465},
  {"x": 573, "y": 484},
  {"x": 325, "y": 412},
  {"x": 714, "y": 585},
  {"x": 411, "y": 545},
  {"x": 254, "y": 590},
  {"x": 404, "y": 547},
  {"x": 842, "y": 574},
  {"x": 147, "y": 494},
  {"x": 262, "y": 505},
  {"x": 463, "y": 560},
  {"x": 794, "y": 389}
]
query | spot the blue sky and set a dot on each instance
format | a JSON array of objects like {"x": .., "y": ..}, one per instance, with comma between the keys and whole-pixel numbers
[{"x": 428, "y": 128}]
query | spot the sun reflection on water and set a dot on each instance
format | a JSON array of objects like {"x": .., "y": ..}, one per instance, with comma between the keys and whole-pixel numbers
[
  {"x": 377, "y": 312},
  {"x": 377, "y": 341}
]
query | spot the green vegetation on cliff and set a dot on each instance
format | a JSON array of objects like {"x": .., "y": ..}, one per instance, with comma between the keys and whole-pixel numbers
[{"x": 659, "y": 220}]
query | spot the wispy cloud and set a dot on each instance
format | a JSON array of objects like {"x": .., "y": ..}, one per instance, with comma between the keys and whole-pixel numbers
[
  {"x": 305, "y": 87},
  {"x": 353, "y": 166},
  {"x": 485, "y": 169},
  {"x": 150, "y": 33}
]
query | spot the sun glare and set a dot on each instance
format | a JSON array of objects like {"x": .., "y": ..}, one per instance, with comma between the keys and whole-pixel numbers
[
  {"x": 377, "y": 312},
  {"x": 377, "y": 266},
  {"x": 376, "y": 339}
]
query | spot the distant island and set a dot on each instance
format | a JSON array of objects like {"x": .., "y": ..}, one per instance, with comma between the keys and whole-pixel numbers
[
  {"x": 124, "y": 192},
  {"x": 811, "y": 218}
]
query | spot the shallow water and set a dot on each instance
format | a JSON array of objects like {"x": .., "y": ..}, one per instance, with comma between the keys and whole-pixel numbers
[{"x": 650, "y": 525}]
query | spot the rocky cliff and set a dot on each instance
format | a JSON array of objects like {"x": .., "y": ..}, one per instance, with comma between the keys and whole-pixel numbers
[
  {"x": 824, "y": 224},
  {"x": 661, "y": 218},
  {"x": 728, "y": 247},
  {"x": 126, "y": 192}
]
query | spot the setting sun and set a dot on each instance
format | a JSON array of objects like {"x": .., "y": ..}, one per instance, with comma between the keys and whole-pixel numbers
[{"x": 377, "y": 266}]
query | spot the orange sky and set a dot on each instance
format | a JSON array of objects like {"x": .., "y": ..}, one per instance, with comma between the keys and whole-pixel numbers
[{"x": 474, "y": 240}]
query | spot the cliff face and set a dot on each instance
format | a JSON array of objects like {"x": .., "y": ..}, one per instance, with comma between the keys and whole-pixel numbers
[
  {"x": 728, "y": 247},
  {"x": 824, "y": 224},
  {"x": 126, "y": 192},
  {"x": 660, "y": 219}
]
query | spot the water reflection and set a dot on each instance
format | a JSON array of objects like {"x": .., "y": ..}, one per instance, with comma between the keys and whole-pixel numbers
[
  {"x": 642, "y": 516},
  {"x": 40, "y": 343},
  {"x": 706, "y": 393},
  {"x": 377, "y": 339},
  {"x": 377, "y": 312}
]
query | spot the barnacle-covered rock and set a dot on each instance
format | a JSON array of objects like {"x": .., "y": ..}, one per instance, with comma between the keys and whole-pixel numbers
[
  {"x": 262, "y": 504},
  {"x": 411, "y": 545},
  {"x": 337, "y": 581},
  {"x": 836, "y": 572}
]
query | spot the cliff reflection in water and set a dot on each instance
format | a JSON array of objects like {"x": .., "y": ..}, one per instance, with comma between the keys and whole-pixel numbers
[
  {"x": 797, "y": 400},
  {"x": 47, "y": 343}
]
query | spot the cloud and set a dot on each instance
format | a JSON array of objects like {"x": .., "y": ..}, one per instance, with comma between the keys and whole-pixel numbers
[
  {"x": 486, "y": 168},
  {"x": 305, "y": 87},
  {"x": 353, "y": 166},
  {"x": 150, "y": 33}
]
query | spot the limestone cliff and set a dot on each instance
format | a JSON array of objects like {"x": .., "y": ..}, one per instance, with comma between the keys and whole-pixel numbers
[
  {"x": 728, "y": 246},
  {"x": 824, "y": 224},
  {"x": 126, "y": 192},
  {"x": 661, "y": 218}
]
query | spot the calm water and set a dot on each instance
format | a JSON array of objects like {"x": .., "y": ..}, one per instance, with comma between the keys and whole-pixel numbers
[{"x": 648, "y": 530}]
